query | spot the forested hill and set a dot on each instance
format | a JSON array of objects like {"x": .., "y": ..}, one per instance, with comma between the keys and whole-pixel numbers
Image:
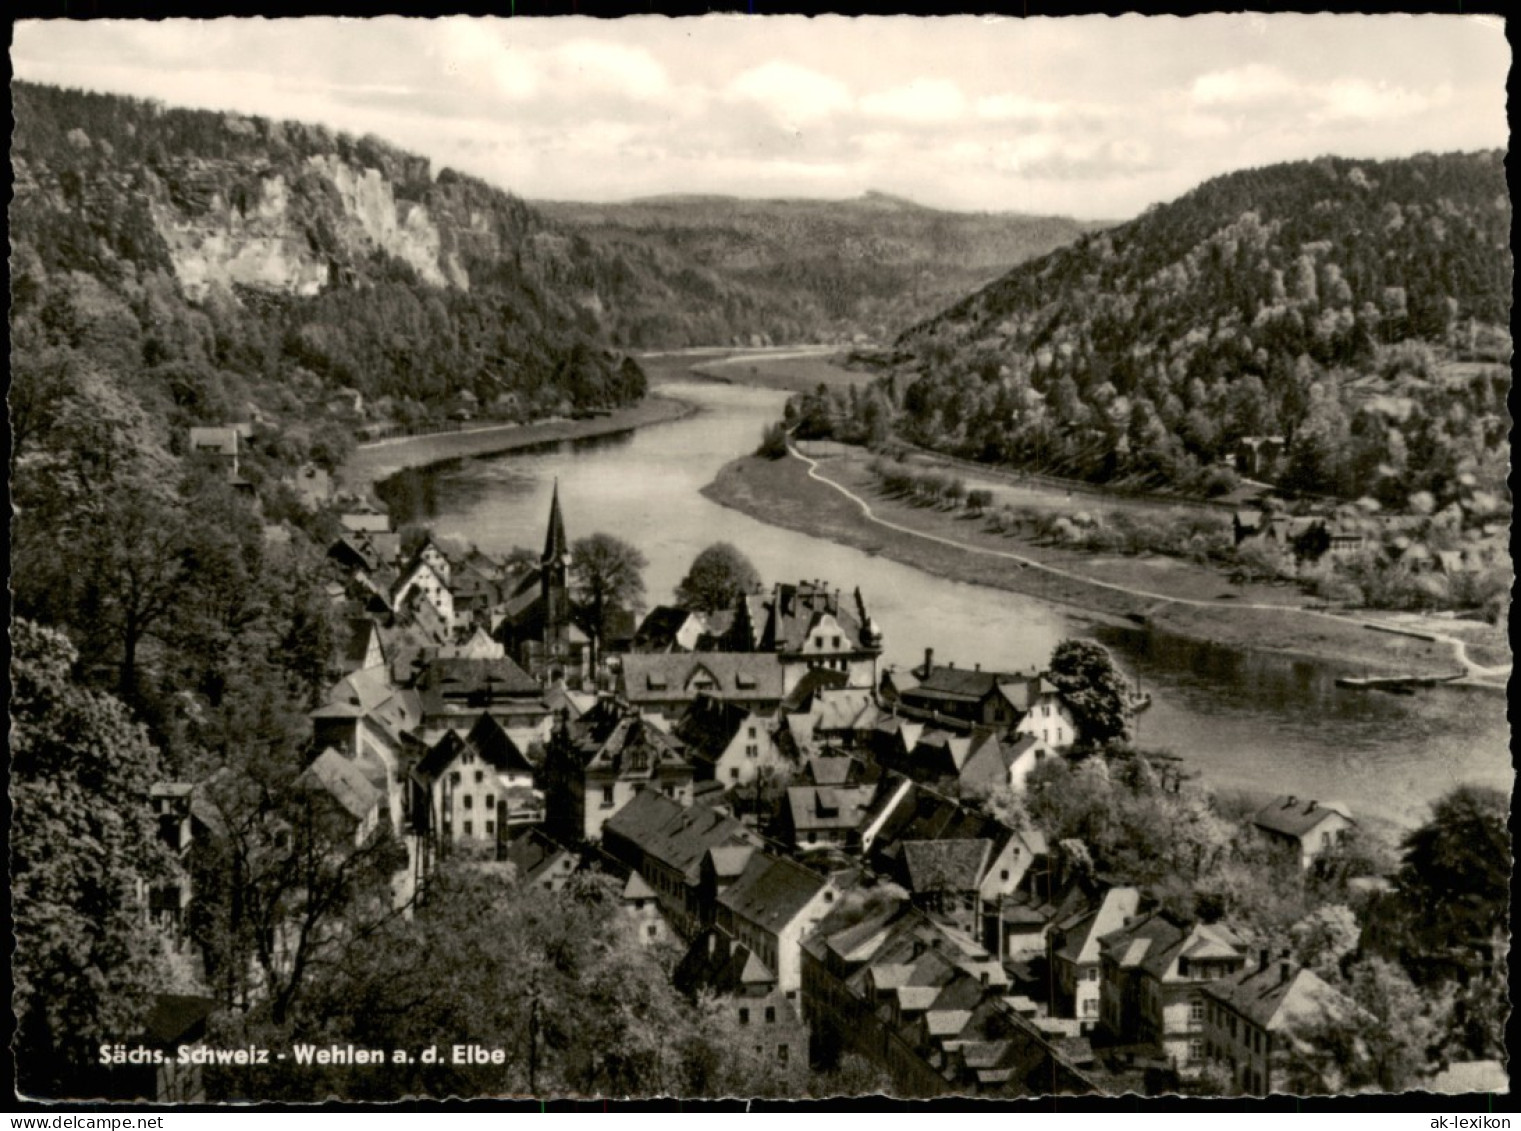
[
  {"x": 209, "y": 260},
  {"x": 829, "y": 270},
  {"x": 1359, "y": 309}
]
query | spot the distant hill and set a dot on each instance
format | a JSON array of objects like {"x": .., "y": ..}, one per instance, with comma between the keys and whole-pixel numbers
[
  {"x": 829, "y": 270},
  {"x": 1359, "y": 309}
]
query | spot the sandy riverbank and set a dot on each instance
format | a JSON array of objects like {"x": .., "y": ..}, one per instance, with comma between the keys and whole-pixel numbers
[
  {"x": 782, "y": 493},
  {"x": 371, "y": 463}
]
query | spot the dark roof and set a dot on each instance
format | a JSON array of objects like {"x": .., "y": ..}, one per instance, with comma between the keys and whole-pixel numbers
[
  {"x": 709, "y": 724},
  {"x": 721, "y": 964},
  {"x": 794, "y": 609},
  {"x": 826, "y": 770},
  {"x": 945, "y": 865},
  {"x": 657, "y": 631},
  {"x": 478, "y": 683},
  {"x": 1155, "y": 941},
  {"x": 1271, "y": 995},
  {"x": 533, "y": 853},
  {"x": 800, "y": 698},
  {"x": 772, "y": 891},
  {"x": 631, "y": 748},
  {"x": 1292, "y": 817},
  {"x": 742, "y": 676},
  {"x": 490, "y": 742},
  {"x": 678, "y": 837},
  {"x": 967, "y": 685}
]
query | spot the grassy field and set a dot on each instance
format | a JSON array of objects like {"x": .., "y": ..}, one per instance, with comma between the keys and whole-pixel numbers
[
  {"x": 780, "y": 492},
  {"x": 376, "y": 461},
  {"x": 793, "y": 373}
]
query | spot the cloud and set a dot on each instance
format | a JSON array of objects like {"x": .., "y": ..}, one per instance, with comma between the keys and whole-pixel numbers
[
  {"x": 1244, "y": 86},
  {"x": 793, "y": 94},
  {"x": 630, "y": 71},
  {"x": 1016, "y": 108},
  {"x": 926, "y": 101},
  {"x": 1358, "y": 100}
]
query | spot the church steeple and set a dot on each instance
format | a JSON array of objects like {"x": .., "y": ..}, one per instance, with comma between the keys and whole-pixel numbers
[
  {"x": 554, "y": 567},
  {"x": 555, "y": 547}
]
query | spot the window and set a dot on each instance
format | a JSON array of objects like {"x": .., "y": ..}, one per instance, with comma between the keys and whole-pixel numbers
[
  {"x": 607, "y": 797},
  {"x": 469, "y": 801},
  {"x": 1196, "y": 1010},
  {"x": 752, "y": 751},
  {"x": 454, "y": 777},
  {"x": 836, "y": 641},
  {"x": 490, "y": 828},
  {"x": 1045, "y": 712},
  {"x": 652, "y": 930},
  {"x": 770, "y": 1015},
  {"x": 1004, "y": 874},
  {"x": 744, "y": 1016},
  {"x": 752, "y": 732},
  {"x": 480, "y": 776},
  {"x": 781, "y": 1053},
  {"x": 1093, "y": 974},
  {"x": 734, "y": 773},
  {"x": 813, "y": 838},
  {"x": 1090, "y": 1007},
  {"x": 468, "y": 829},
  {"x": 1195, "y": 1050}
]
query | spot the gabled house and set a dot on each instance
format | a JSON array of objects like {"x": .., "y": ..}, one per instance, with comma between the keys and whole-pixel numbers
[
  {"x": 1250, "y": 1020},
  {"x": 820, "y": 816},
  {"x": 453, "y": 691},
  {"x": 359, "y": 646},
  {"x": 1008, "y": 703},
  {"x": 351, "y": 802},
  {"x": 1074, "y": 954},
  {"x": 419, "y": 584},
  {"x": 217, "y": 445},
  {"x": 539, "y": 861},
  {"x": 770, "y": 907},
  {"x": 641, "y": 907},
  {"x": 365, "y": 719},
  {"x": 746, "y": 990},
  {"x": 1306, "y": 829},
  {"x": 598, "y": 764},
  {"x": 944, "y": 878},
  {"x": 807, "y": 626},
  {"x": 669, "y": 682},
  {"x": 1152, "y": 980},
  {"x": 728, "y": 743},
  {"x": 471, "y": 789},
  {"x": 666, "y": 842}
]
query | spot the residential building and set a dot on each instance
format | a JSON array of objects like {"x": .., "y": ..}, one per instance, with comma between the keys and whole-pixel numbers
[
  {"x": 820, "y": 816},
  {"x": 598, "y": 764},
  {"x": 1306, "y": 829},
  {"x": 641, "y": 907},
  {"x": 925, "y": 1003},
  {"x": 1152, "y": 980},
  {"x": 1254, "y": 1021},
  {"x": 728, "y": 743},
  {"x": 770, "y": 907},
  {"x": 1008, "y": 703},
  {"x": 807, "y": 626},
  {"x": 666, "y": 843},
  {"x": 352, "y": 804},
  {"x": 669, "y": 682},
  {"x": 472, "y": 789},
  {"x": 1075, "y": 957},
  {"x": 217, "y": 445},
  {"x": 745, "y": 989},
  {"x": 454, "y": 691},
  {"x": 539, "y": 861}
]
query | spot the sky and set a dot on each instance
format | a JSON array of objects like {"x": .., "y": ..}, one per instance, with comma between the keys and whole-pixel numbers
[{"x": 1093, "y": 117}]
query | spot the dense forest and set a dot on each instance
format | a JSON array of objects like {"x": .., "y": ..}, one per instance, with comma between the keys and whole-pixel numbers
[
  {"x": 830, "y": 270},
  {"x": 1357, "y": 310}
]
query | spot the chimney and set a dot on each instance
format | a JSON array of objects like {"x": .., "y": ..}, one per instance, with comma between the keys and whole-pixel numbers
[
  {"x": 1291, "y": 802},
  {"x": 977, "y": 667},
  {"x": 929, "y": 661},
  {"x": 1310, "y": 808}
]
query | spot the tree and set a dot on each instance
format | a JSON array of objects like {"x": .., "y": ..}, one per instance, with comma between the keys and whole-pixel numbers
[
  {"x": 719, "y": 576},
  {"x": 1457, "y": 867},
  {"x": 1094, "y": 690},
  {"x": 1379, "y": 1041},
  {"x": 84, "y": 845},
  {"x": 604, "y": 580}
]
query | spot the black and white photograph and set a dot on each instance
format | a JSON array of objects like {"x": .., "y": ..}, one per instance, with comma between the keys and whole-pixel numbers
[{"x": 760, "y": 557}]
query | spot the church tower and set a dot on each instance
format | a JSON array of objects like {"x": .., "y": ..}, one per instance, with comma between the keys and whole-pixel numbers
[{"x": 554, "y": 567}]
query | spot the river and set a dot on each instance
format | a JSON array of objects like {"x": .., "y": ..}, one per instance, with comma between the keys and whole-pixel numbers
[{"x": 1241, "y": 720}]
